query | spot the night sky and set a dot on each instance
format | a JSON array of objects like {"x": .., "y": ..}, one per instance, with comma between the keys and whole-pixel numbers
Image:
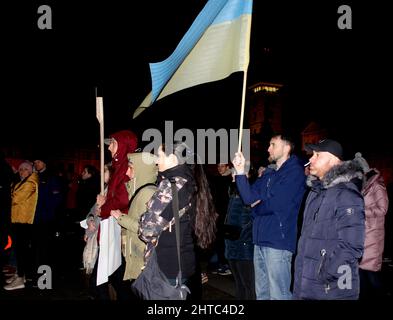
[{"x": 339, "y": 78}]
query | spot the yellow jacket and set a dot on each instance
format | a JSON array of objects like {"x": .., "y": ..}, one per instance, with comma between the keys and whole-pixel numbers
[{"x": 24, "y": 197}]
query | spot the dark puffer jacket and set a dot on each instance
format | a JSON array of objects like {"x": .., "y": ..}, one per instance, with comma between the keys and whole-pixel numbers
[
  {"x": 239, "y": 215},
  {"x": 332, "y": 237},
  {"x": 376, "y": 205}
]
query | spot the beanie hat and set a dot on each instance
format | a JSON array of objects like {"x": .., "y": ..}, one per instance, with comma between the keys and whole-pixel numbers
[{"x": 26, "y": 165}]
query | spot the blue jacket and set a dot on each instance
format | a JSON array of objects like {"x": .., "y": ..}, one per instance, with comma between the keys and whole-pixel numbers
[
  {"x": 281, "y": 193},
  {"x": 332, "y": 238},
  {"x": 239, "y": 215},
  {"x": 49, "y": 198}
]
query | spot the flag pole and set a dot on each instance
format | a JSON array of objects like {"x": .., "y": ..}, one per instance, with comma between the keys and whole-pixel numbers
[
  {"x": 239, "y": 148},
  {"x": 247, "y": 50},
  {"x": 100, "y": 117}
]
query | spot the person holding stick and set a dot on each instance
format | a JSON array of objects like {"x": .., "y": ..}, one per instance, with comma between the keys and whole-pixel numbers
[
  {"x": 120, "y": 144},
  {"x": 276, "y": 197}
]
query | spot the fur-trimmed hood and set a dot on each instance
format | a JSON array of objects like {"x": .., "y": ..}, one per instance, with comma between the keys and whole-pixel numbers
[{"x": 344, "y": 172}]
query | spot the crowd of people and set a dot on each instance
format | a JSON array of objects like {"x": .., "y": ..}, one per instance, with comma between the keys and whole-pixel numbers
[{"x": 290, "y": 230}]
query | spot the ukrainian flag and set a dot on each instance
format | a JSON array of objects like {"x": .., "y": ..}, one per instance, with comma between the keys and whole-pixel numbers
[{"x": 216, "y": 45}]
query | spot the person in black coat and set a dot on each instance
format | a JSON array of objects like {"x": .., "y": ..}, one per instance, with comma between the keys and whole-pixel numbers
[
  {"x": 332, "y": 236},
  {"x": 88, "y": 188},
  {"x": 196, "y": 211}
]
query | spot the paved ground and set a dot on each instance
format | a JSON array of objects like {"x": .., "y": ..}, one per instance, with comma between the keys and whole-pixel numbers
[
  {"x": 70, "y": 283},
  {"x": 73, "y": 286}
]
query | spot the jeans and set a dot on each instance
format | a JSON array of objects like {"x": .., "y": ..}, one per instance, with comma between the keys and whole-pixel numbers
[{"x": 272, "y": 273}]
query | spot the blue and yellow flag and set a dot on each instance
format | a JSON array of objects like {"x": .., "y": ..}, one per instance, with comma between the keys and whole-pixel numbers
[{"x": 216, "y": 45}]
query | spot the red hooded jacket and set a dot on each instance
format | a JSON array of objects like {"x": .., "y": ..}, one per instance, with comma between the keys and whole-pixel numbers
[{"x": 117, "y": 196}]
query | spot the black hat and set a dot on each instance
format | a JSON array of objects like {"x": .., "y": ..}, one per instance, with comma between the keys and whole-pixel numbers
[{"x": 326, "y": 145}]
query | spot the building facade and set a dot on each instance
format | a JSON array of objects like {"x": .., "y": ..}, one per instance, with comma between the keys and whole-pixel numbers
[{"x": 265, "y": 116}]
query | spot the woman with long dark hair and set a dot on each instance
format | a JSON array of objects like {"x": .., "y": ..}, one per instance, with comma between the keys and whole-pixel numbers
[{"x": 176, "y": 164}]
